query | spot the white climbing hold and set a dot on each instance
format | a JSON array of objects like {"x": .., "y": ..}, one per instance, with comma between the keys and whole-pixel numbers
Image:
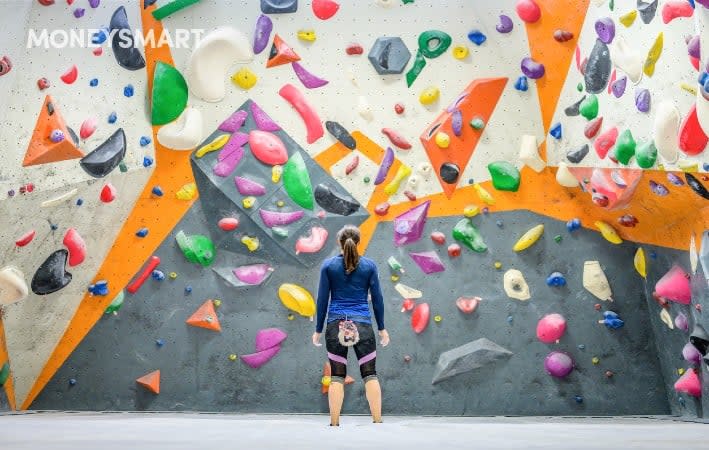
[
  {"x": 564, "y": 176},
  {"x": 515, "y": 285},
  {"x": 627, "y": 59},
  {"x": 667, "y": 319},
  {"x": 364, "y": 109},
  {"x": 208, "y": 66},
  {"x": 385, "y": 3},
  {"x": 665, "y": 130},
  {"x": 693, "y": 255},
  {"x": 529, "y": 153},
  {"x": 13, "y": 287},
  {"x": 595, "y": 281},
  {"x": 407, "y": 291},
  {"x": 59, "y": 199},
  {"x": 185, "y": 133},
  {"x": 425, "y": 169}
]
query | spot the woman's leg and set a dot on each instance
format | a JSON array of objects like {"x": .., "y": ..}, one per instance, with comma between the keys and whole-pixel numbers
[
  {"x": 374, "y": 397},
  {"x": 337, "y": 355},
  {"x": 366, "y": 350}
]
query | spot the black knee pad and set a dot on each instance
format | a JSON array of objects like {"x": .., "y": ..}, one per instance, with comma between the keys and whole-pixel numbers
[
  {"x": 368, "y": 370},
  {"x": 337, "y": 369}
]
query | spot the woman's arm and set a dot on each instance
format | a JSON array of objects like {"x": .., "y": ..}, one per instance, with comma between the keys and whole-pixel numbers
[
  {"x": 377, "y": 299},
  {"x": 323, "y": 298}
]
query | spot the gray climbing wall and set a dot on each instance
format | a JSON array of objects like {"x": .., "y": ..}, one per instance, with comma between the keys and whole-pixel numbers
[{"x": 197, "y": 374}]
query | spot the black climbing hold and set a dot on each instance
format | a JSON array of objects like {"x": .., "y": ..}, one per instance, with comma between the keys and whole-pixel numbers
[
  {"x": 147, "y": 3},
  {"x": 449, "y": 173},
  {"x": 50, "y": 108},
  {"x": 647, "y": 10},
  {"x": 334, "y": 203},
  {"x": 106, "y": 156},
  {"x": 577, "y": 155},
  {"x": 598, "y": 68},
  {"x": 279, "y": 6},
  {"x": 341, "y": 134},
  {"x": 73, "y": 136},
  {"x": 51, "y": 276},
  {"x": 696, "y": 185},
  {"x": 699, "y": 339},
  {"x": 124, "y": 49},
  {"x": 573, "y": 110}
]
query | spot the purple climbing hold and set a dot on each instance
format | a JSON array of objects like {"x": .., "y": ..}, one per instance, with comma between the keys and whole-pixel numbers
[
  {"x": 505, "y": 25},
  {"x": 408, "y": 226},
  {"x": 658, "y": 188},
  {"x": 681, "y": 322},
  {"x": 428, "y": 262},
  {"x": 309, "y": 80},
  {"x": 56, "y": 136},
  {"x": 263, "y": 120},
  {"x": 230, "y": 156},
  {"x": 277, "y": 219},
  {"x": 618, "y": 86},
  {"x": 691, "y": 354},
  {"x": 387, "y": 161},
  {"x": 264, "y": 27},
  {"x": 693, "y": 46},
  {"x": 253, "y": 275},
  {"x": 249, "y": 187},
  {"x": 605, "y": 29},
  {"x": 234, "y": 122},
  {"x": 457, "y": 122},
  {"x": 477, "y": 37},
  {"x": 558, "y": 364},
  {"x": 79, "y": 12},
  {"x": 674, "y": 179},
  {"x": 642, "y": 100},
  {"x": 269, "y": 338},
  {"x": 531, "y": 68},
  {"x": 94, "y": 3}
]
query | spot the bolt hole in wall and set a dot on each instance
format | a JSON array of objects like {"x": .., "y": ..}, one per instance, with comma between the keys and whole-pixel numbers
[{"x": 528, "y": 175}]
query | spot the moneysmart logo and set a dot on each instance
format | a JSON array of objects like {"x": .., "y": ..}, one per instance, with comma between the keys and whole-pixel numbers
[{"x": 125, "y": 38}]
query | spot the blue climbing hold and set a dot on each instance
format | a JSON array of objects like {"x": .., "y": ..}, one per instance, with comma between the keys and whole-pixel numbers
[
  {"x": 147, "y": 161},
  {"x": 158, "y": 275},
  {"x": 705, "y": 166},
  {"x": 499, "y": 223},
  {"x": 142, "y": 232},
  {"x": 477, "y": 37},
  {"x": 573, "y": 224},
  {"x": 703, "y": 78},
  {"x": 653, "y": 255},
  {"x": 521, "y": 84},
  {"x": 188, "y": 289},
  {"x": 578, "y": 399},
  {"x": 100, "y": 36},
  {"x": 145, "y": 140},
  {"x": 99, "y": 288},
  {"x": 691, "y": 2},
  {"x": 72, "y": 381},
  {"x": 93, "y": 82},
  {"x": 612, "y": 321},
  {"x": 159, "y": 342},
  {"x": 556, "y": 130},
  {"x": 128, "y": 90},
  {"x": 556, "y": 279},
  {"x": 79, "y": 201},
  {"x": 509, "y": 319},
  {"x": 53, "y": 226},
  {"x": 112, "y": 117},
  {"x": 157, "y": 191}
]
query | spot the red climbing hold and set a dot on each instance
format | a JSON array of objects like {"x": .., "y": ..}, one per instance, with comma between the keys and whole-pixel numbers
[
  {"x": 76, "y": 246},
  {"x": 153, "y": 262},
  {"x": 70, "y": 75},
  {"x": 605, "y": 142},
  {"x": 593, "y": 127},
  {"x": 87, "y": 128},
  {"x": 563, "y": 35},
  {"x": 410, "y": 195},
  {"x": 324, "y": 9},
  {"x": 438, "y": 237},
  {"x": 25, "y": 238},
  {"x": 399, "y": 108},
  {"x": 454, "y": 250},
  {"x": 420, "y": 317},
  {"x": 228, "y": 223},
  {"x": 108, "y": 193},
  {"x": 382, "y": 209},
  {"x": 675, "y": 9},
  {"x": 691, "y": 139},
  {"x": 98, "y": 51},
  {"x": 46, "y": 2},
  {"x": 396, "y": 139},
  {"x": 352, "y": 165},
  {"x": 528, "y": 10},
  {"x": 42, "y": 84},
  {"x": 354, "y": 49}
]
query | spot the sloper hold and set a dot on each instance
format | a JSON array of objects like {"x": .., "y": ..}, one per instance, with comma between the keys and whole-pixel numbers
[
  {"x": 281, "y": 53},
  {"x": 51, "y": 275},
  {"x": 150, "y": 381},
  {"x": 258, "y": 359},
  {"x": 126, "y": 53},
  {"x": 169, "y": 96},
  {"x": 205, "y": 317},
  {"x": 408, "y": 226},
  {"x": 647, "y": 10},
  {"x": 595, "y": 281},
  {"x": 296, "y": 181},
  {"x": 333, "y": 202},
  {"x": 598, "y": 68},
  {"x": 41, "y": 149},
  {"x": 269, "y": 338},
  {"x": 279, "y": 6},
  {"x": 13, "y": 286},
  {"x": 466, "y": 358},
  {"x": 389, "y": 55}
]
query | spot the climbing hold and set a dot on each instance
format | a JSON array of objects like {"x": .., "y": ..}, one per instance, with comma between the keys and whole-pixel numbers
[
  {"x": 228, "y": 223},
  {"x": 276, "y": 218},
  {"x": 325, "y": 9},
  {"x": 248, "y": 202},
  {"x": 598, "y": 68},
  {"x": 521, "y": 84},
  {"x": 352, "y": 165},
  {"x": 428, "y": 262},
  {"x": 309, "y": 80},
  {"x": 313, "y": 242},
  {"x": 629, "y": 18},
  {"x": 563, "y": 35},
  {"x": 341, "y": 134},
  {"x": 471, "y": 211},
  {"x": 385, "y": 166},
  {"x": 429, "y": 95},
  {"x": 624, "y": 147},
  {"x": 528, "y": 10},
  {"x": 689, "y": 383},
  {"x": 251, "y": 243},
  {"x": 675, "y": 286},
  {"x": 608, "y": 232},
  {"x": 665, "y": 130},
  {"x": 468, "y": 357},
  {"x": 354, "y": 49},
  {"x": 438, "y": 237},
  {"x": 674, "y": 9},
  {"x": 515, "y": 285},
  {"x": 310, "y": 117},
  {"x": 169, "y": 95},
  {"x": 467, "y": 234},
  {"x": 262, "y": 34},
  {"x": 627, "y": 59},
  {"x": 506, "y": 25},
  {"x": 408, "y": 226},
  {"x": 681, "y": 322},
  {"x": 578, "y": 154},
  {"x": 442, "y": 140},
  {"x": 297, "y": 299},
  {"x": 364, "y": 109},
  {"x": 389, "y": 55},
  {"x": 460, "y": 52},
  {"x": 307, "y": 35},
  {"x": 558, "y": 364},
  {"x": 696, "y": 186},
  {"x": 556, "y": 279},
  {"x": 142, "y": 232},
  {"x": 564, "y": 176},
  {"x": 76, "y": 246},
  {"x": 551, "y": 328},
  {"x": 48, "y": 143},
  {"x": 171, "y": 8},
  {"x": 13, "y": 288},
  {"x": 658, "y": 188},
  {"x": 612, "y": 321},
  {"x": 150, "y": 381},
  {"x": 529, "y": 238},
  {"x": 573, "y": 225},
  {"x": 248, "y": 187},
  {"x": 185, "y": 133},
  {"x": 674, "y": 179},
  {"x": 467, "y": 305},
  {"x": 296, "y": 181},
  {"x": 51, "y": 275},
  {"x": 477, "y": 37},
  {"x": 528, "y": 153},
  {"x": 595, "y": 281},
  {"x": 628, "y": 220},
  {"x": 196, "y": 248},
  {"x": 642, "y": 100},
  {"x": 333, "y": 202},
  {"x": 588, "y": 107},
  {"x": 279, "y": 6},
  {"x": 401, "y": 173},
  {"x": 605, "y": 29},
  {"x": 252, "y": 275},
  {"x": 126, "y": 53},
  {"x": 267, "y": 147},
  {"x": 555, "y": 131},
  {"x": 531, "y": 68},
  {"x": 653, "y": 55},
  {"x": 420, "y": 317},
  {"x": 42, "y": 83},
  {"x": 25, "y": 238},
  {"x": 244, "y": 78},
  {"x": 205, "y": 317},
  {"x": 70, "y": 75},
  {"x": 691, "y": 139},
  {"x": 605, "y": 142},
  {"x": 483, "y": 194},
  {"x": 396, "y": 139},
  {"x": 505, "y": 176}
]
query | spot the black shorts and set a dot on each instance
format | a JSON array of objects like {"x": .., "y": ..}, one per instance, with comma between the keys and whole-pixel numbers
[{"x": 365, "y": 349}]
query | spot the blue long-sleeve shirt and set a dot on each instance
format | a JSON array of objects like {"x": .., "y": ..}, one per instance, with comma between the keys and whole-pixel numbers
[{"x": 346, "y": 294}]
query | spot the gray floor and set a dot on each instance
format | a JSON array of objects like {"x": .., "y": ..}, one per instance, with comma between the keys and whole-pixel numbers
[{"x": 140, "y": 431}]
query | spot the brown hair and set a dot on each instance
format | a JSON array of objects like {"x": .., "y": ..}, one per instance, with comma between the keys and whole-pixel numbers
[{"x": 348, "y": 237}]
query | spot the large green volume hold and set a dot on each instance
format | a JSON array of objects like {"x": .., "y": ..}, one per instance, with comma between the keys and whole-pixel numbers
[
  {"x": 466, "y": 233},
  {"x": 296, "y": 181},
  {"x": 169, "y": 96}
]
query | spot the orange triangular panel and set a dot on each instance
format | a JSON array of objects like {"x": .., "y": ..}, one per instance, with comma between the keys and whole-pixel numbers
[
  {"x": 281, "y": 53},
  {"x": 41, "y": 149},
  {"x": 205, "y": 317},
  {"x": 150, "y": 381},
  {"x": 478, "y": 100}
]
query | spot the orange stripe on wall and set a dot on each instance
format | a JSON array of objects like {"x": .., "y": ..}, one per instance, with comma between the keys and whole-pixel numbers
[{"x": 9, "y": 387}]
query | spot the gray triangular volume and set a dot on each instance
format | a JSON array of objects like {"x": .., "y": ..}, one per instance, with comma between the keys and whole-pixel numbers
[{"x": 468, "y": 357}]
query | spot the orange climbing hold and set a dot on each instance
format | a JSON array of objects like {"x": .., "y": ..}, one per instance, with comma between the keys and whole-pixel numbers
[
  {"x": 281, "y": 53},
  {"x": 150, "y": 381},
  {"x": 205, "y": 317},
  {"x": 42, "y": 150}
]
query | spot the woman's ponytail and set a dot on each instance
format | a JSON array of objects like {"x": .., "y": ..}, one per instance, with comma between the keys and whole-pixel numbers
[{"x": 349, "y": 238}]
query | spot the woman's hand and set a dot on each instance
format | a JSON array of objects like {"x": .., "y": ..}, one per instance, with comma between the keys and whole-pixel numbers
[
  {"x": 384, "y": 335},
  {"x": 316, "y": 339}
]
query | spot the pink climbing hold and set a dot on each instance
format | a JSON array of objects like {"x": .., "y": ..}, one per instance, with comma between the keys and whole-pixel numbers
[
  {"x": 312, "y": 243},
  {"x": 528, "y": 10},
  {"x": 249, "y": 187},
  {"x": 674, "y": 286},
  {"x": 605, "y": 142},
  {"x": 310, "y": 117},
  {"x": 25, "y": 238},
  {"x": 76, "y": 246},
  {"x": 108, "y": 193},
  {"x": 558, "y": 364},
  {"x": 467, "y": 305},
  {"x": 70, "y": 75},
  {"x": 267, "y": 147},
  {"x": 675, "y": 9},
  {"x": 428, "y": 262},
  {"x": 269, "y": 338},
  {"x": 691, "y": 139},
  {"x": 324, "y": 9},
  {"x": 258, "y": 359},
  {"x": 689, "y": 384},
  {"x": 233, "y": 122},
  {"x": 87, "y": 128},
  {"x": 409, "y": 225},
  {"x": 228, "y": 223},
  {"x": 551, "y": 328},
  {"x": 420, "y": 317},
  {"x": 253, "y": 275}
]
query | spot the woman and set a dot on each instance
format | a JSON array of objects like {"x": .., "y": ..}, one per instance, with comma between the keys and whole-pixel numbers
[{"x": 345, "y": 281}]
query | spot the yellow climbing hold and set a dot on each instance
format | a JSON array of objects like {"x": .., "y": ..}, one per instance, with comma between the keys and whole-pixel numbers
[
  {"x": 629, "y": 18},
  {"x": 437, "y": 318},
  {"x": 460, "y": 52},
  {"x": 687, "y": 166},
  {"x": 252, "y": 243},
  {"x": 667, "y": 319},
  {"x": 498, "y": 265},
  {"x": 187, "y": 192},
  {"x": 680, "y": 371},
  {"x": 653, "y": 55},
  {"x": 276, "y": 173},
  {"x": 217, "y": 303},
  {"x": 595, "y": 360},
  {"x": 393, "y": 186},
  {"x": 280, "y": 203},
  {"x": 217, "y": 143},
  {"x": 483, "y": 194},
  {"x": 471, "y": 211},
  {"x": 429, "y": 95},
  {"x": 395, "y": 278},
  {"x": 244, "y": 78},
  {"x": 688, "y": 87},
  {"x": 291, "y": 316},
  {"x": 232, "y": 357},
  {"x": 608, "y": 232},
  {"x": 297, "y": 298},
  {"x": 249, "y": 202},
  {"x": 442, "y": 140},
  {"x": 639, "y": 262},
  {"x": 307, "y": 35},
  {"x": 173, "y": 275},
  {"x": 529, "y": 238}
]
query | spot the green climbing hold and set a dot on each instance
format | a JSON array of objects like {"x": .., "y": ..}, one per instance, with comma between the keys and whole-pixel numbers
[
  {"x": 123, "y": 167},
  {"x": 505, "y": 176},
  {"x": 478, "y": 124},
  {"x": 625, "y": 147},
  {"x": 579, "y": 87},
  {"x": 611, "y": 5},
  {"x": 171, "y": 8},
  {"x": 466, "y": 233},
  {"x": 589, "y": 107},
  {"x": 296, "y": 181},
  {"x": 415, "y": 70},
  {"x": 169, "y": 96},
  {"x": 434, "y": 43},
  {"x": 366, "y": 180},
  {"x": 646, "y": 155},
  {"x": 558, "y": 238},
  {"x": 116, "y": 303},
  {"x": 4, "y": 373},
  {"x": 196, "y": 248},
  {"x": 280, "y": 232}
]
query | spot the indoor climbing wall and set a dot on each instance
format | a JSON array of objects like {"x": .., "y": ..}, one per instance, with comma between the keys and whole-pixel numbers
[{"x": 529, "y": 176}]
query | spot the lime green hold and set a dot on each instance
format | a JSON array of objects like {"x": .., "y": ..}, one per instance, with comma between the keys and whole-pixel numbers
[
  {"x": 116, "y": 303},
  {"x": 558, "y": 238},
  {"x": 4, "y": 373},
  {"x": 589, "y": 107},
  {"x": 625, "y": 147},
  {"x": 477, "y": 123},
  {"x": 466, "y": 233},
  {"x": 646, "y": 155},
  {"x": 505, "y": 176},
  {"x": 296, "y": 181},
  {"x": 196, "y": 248},
  {"x": 169, "y": 97}
]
